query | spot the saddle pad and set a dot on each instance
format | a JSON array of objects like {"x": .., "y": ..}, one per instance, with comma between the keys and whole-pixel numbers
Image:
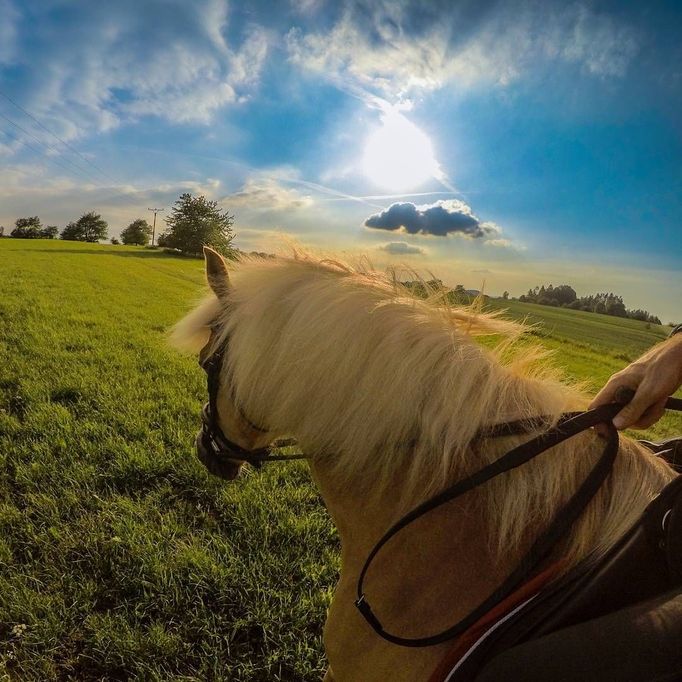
[
  {"x": 637, "y": 644},
  {"x": 480, "y": 630}
]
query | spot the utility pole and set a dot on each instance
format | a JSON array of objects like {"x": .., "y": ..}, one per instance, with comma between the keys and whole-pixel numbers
[{"x": 156, "y": 210}]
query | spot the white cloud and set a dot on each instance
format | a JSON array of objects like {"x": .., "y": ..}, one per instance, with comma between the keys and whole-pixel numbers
[
  {"x": 377, "y": 48},
  {"x": 306, "y": 7},
  {"x": 34, "y": 189},
  {"x": 119, "y": 61},
  {"x": 266, "y": 193},
  {"x": 401, "y": 249},
  {"x": 8, "y": 31},
  {"x": 502, "y": 243}
]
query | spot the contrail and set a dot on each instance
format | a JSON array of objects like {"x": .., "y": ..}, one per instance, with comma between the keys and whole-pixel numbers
[{"x": 264, "y": 174}]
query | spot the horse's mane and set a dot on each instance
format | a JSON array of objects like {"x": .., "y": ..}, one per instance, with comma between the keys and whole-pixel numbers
[{"x": 385, "y": 384}]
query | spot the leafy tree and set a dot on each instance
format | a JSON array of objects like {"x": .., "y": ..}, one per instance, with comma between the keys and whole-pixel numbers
[
  {"x": 162, "y": 240},
  {"x": 115, "y": 241},
  {"x": 88, "y": 228},
  {"x": 49, "y": 232},
  {"x": 138, "y": 232},
  {"x": 27, "y": 228},
  {"x": 564, "y": 294},
  {"x": 72, "y": 232},
  {"x": 195, "y": 222}
]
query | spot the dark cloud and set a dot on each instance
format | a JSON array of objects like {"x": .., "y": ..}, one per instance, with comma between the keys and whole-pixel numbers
[
  {"x": 400, "y": 248},
  {"x": 439, "y": 219}
]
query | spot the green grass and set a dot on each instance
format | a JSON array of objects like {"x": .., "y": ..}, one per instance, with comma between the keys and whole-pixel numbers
[
  {"x": 120, "y": 557},
  {"x": 118, "y": 553}
]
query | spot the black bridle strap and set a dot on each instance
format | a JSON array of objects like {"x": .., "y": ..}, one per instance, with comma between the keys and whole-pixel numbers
[
  {"x": 220, "y": 446},
  {"x": 569, "y": 426}
]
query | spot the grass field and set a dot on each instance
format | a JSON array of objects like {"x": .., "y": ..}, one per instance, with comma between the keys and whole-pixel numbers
[{"x": 120, "y": 558}]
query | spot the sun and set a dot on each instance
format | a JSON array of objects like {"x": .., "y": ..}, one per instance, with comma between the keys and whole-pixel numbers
[{"x": 399, "y": 156}]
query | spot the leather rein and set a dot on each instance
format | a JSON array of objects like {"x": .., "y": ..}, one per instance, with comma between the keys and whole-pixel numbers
[{"x": 222, "y": 449}]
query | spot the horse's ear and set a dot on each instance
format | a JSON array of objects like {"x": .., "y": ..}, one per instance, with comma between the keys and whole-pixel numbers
[{"x": 216, "y": 272}]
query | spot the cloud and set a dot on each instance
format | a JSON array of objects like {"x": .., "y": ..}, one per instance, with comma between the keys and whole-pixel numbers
[
  {"x": 306, "y": 7},
  {"x": 266, "y": 193},
  {"x": 439, "y": 219},
  {"x": 35, "y": 189},
  {"x": 401, "y": 249},
  {"x": 8, "y": 30},
  {"x": 103, "y": 64},
  {"x": 399, "y": 50}
]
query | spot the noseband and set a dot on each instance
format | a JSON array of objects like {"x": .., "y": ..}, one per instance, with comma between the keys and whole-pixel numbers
[{"x": 218, "y": 448}]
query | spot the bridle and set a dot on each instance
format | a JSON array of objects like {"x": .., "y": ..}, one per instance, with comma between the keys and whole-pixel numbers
[
  {"x": 218, "y": 450},
  {"x": 221, "y": 449}
]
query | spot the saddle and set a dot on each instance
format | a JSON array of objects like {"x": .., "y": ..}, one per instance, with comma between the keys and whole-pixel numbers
[{"x": 617, "y": 619}]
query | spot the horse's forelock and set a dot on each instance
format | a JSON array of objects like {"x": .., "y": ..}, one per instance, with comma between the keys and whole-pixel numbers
[{"x": 193, "y": 331}]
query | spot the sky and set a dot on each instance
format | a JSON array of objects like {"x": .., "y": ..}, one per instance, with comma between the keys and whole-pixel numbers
[{"x": 498, "y": 145}]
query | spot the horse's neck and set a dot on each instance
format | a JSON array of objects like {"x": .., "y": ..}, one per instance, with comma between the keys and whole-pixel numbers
[{"x": 425, "y": 579}]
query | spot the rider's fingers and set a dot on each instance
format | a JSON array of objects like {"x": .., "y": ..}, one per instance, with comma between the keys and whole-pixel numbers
[
  {"x": 606, "y": 395},
  {"x": 645, "y": 397},
  {"x": 651, "y": 415},
  {"x": 613, "y": 387}
]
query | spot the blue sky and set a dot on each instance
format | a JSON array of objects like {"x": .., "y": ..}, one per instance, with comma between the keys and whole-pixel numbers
[{"x": 508, "y": 144}]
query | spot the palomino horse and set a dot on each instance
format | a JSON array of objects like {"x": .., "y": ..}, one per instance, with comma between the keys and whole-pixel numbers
[{"x": 385, "y": 393}]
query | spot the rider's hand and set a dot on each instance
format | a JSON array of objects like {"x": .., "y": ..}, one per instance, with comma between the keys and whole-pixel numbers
[{"x": 654, "y": 377}]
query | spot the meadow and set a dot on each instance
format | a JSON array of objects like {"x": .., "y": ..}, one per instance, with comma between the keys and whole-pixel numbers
[{"x": 120, "y": 557}]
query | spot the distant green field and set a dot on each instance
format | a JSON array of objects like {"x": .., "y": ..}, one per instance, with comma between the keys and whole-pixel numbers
[
  {"x": 621, "y": 338},
  {"x": 120, "y": 557}
]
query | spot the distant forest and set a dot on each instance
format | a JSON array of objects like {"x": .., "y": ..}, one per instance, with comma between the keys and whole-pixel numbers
[{"x": 564, "y": 296}]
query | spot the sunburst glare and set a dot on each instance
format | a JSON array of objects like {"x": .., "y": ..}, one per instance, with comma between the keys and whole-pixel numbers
[{"x": 399, "y": 156}]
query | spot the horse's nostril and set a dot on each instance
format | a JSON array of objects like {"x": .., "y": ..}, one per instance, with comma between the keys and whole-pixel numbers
[{"x": 218, "y": 467}]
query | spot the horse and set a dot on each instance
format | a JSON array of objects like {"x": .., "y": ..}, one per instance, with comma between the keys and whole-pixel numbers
[{"x": 386, "y": 391}]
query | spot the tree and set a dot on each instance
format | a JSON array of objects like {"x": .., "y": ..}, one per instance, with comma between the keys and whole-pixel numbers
[
  {"x": 27, "y": 228},
  {"x": 195, "y": 222},
  {"x": 115, "y": 241},
  {"x": 138, "y": 232},
  {"x": 88, "y": 228},
  {"x": 565, "y": 294},
  {"x": 50, "y": 232}
]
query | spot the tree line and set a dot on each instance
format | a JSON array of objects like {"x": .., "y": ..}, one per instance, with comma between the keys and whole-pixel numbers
[
  {"x": 192, "y": 223},
  {"x": 564, "y": 296},
  {"x": 90, "y": 227}
]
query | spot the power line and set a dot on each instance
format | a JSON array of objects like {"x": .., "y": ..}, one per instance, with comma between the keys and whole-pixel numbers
[
  {"x": 41, "y": 153},
  {"x": 64, "y": 142},
  {"x": 45, "y": 144}
]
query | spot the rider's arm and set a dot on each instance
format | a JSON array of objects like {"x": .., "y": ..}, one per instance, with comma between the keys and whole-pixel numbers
[{"x": 654, "y": 377}]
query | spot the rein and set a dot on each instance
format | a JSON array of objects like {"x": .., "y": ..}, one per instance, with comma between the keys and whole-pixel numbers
[
  {"x": 569, "y": 425},
  {"x": 221, "y": 449}
]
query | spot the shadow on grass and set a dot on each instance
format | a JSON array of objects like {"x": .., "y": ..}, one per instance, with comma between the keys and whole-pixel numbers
[{"x": 113, "y": 251}]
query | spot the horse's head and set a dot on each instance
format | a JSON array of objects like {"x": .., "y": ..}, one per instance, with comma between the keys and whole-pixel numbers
[{"x": 228, "y": 438}]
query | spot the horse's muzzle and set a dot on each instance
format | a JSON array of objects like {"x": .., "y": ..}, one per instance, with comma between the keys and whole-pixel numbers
[{"x": 218, "y": 466}]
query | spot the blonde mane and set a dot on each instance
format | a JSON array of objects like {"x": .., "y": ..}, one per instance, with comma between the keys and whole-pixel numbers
[{"x": 383, "y": 386}]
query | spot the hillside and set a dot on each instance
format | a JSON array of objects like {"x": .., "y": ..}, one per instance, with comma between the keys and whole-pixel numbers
[
  {"x": 120, "y": 557},
  {"x": 623, "y": 338}
]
